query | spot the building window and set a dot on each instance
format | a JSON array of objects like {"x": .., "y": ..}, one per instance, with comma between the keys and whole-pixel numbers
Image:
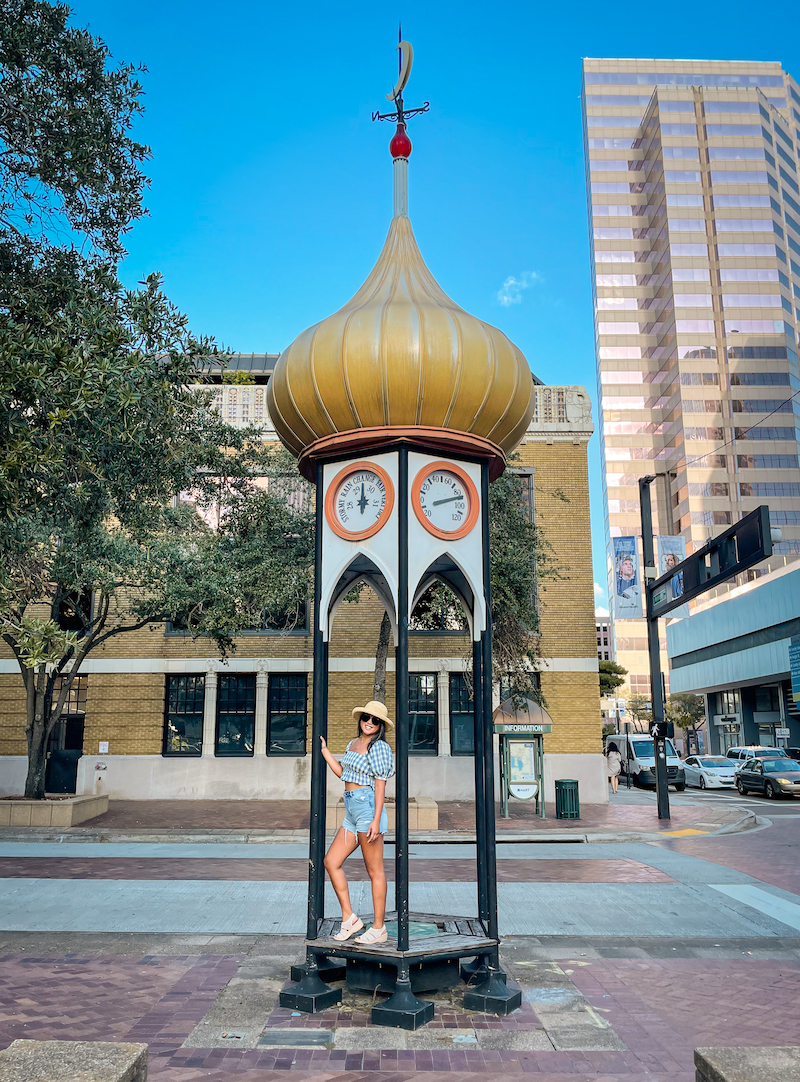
[
  {"x": 508, "y": 688},
  {"x": 236, "y": 715},
  {"x": 462, "y": 716},
  {"x": 287, "y": 715},
  {"x": 183, "y": 715},
  {"x": 67, "y": 733},
  {"x": 729, "y": 702},
  {"x": 423, "y": 736},
  {"x": 767, "y": 699}
]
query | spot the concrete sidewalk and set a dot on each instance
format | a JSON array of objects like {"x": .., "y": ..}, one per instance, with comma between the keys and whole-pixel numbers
[{"x": 630, "y": 816}]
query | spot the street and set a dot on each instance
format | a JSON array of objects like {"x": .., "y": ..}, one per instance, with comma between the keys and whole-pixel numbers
[{"x": 629, "y": 954}]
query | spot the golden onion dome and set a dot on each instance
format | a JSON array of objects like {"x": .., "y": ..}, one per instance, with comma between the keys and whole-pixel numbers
[{"x": 400, "y": 354}]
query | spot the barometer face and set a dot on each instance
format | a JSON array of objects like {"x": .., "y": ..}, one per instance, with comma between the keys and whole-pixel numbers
[
  {"x": 359, "y": 501},
  {"x": 445, "y": 500}
]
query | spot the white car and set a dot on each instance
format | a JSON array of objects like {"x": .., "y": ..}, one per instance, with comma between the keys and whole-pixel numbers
[{"x": 710, "y": 771}]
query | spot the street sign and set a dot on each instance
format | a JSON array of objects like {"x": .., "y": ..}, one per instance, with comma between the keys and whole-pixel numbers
[
  {"x": 747, "y": 542},
  {"x": 794, "y": 665},
  {"x": 783, "y": 732},
  {"x": 522, "y": 727}
]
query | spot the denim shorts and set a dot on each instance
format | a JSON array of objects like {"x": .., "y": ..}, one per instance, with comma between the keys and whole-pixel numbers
[{"x": 359, "y": 811}]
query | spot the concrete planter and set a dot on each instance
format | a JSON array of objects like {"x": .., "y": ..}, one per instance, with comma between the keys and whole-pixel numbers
[
  {"x": 51, "y": 813},
  {"x": 423, "y": 814}
]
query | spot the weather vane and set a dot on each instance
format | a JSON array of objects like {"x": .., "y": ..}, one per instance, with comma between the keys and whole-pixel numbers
[{"x": 401, "y": 114}]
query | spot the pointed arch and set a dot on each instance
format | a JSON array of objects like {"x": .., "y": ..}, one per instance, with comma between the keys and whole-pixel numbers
[{"x": 358, "y": 567}]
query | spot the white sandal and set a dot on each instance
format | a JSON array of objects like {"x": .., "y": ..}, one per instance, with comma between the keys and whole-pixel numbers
[
  {"x": 373, "y": 937},
  {"x": 349, "y": 927}
]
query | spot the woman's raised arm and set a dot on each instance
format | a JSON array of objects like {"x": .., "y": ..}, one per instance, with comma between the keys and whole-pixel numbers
[{"x": 330, "y": 759}]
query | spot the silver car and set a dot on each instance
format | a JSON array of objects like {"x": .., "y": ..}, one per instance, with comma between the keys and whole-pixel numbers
[{"x": 710, "y": 772}]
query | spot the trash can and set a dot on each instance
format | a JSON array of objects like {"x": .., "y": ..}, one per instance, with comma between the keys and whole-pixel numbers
[
  {"x": 61, "y": 772},
  {"x": 567, "y": 803}
]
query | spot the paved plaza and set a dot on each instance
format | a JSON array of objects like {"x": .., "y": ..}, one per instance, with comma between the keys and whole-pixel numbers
[{"x": 629, "y": 953}]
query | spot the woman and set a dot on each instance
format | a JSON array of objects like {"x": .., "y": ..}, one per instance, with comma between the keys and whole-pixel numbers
[
  {"x": 614, "y": 765},
  {"x": 367, "y": 765}
]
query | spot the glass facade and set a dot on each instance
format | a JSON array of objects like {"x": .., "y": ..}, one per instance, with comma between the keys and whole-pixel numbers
[
  {"x": 236, "y": 715},
  {"x": 183, "y": 715},
  {"x": 423, "y": 738},
  {"x": 287, "y": 715},
  {"x": 707, "y": 198},
  {"x": 462, "y": 716}
]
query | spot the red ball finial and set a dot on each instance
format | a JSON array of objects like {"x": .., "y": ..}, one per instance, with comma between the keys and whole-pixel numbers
[{"x": 400, "y": 146}]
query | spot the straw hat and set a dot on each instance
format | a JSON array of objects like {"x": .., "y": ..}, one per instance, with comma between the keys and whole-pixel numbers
[{"x": 377, "y": 710}]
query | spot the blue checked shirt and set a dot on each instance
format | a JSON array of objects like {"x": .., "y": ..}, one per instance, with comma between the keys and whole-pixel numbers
[{"x": 364, "y": 769}]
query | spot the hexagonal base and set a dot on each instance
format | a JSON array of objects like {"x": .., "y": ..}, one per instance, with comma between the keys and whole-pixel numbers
[
  {"x": 402, "y": 1011},
  {"x": 328, "y": 970},
  {"x": 309, "y": 995},
  {"x": 493, "y": 996}
]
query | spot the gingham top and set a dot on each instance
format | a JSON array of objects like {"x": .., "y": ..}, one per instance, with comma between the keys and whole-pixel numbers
[{"x": 364, "y": 769}]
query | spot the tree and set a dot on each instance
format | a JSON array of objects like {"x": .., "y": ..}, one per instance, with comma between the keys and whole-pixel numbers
[
  {"x": 520, "y": 560},
  {"x": 686, "y": 710},
  {"x": 612, "y": 676},
  {"x": 641, "y": 710},
  {"x": 102, "y": 427}
]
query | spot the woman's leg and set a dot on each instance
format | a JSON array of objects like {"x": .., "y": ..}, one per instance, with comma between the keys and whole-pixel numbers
[
  {"x": 341, "y": 847},
  {"x": 614, "y": 782},
  {"x": 373, "y": 861}
]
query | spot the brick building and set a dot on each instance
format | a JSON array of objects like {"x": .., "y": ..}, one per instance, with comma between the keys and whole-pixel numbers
[{"x": 164, "y": 705}]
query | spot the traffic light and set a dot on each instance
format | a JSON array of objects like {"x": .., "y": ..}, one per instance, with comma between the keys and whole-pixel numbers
[{"x": 662, "y": 730}]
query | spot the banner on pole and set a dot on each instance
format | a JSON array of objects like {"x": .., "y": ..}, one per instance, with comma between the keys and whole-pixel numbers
[
  {"x": 627, "y": 582},
  {"x": 671, "y": 551}
]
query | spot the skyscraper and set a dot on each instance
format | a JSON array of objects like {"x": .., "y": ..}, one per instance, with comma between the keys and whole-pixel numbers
[{"x": 694, "y": 215}]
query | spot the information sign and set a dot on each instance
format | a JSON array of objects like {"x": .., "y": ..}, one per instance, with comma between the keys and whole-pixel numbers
[
  {"x": 521, "y": 727},
  {"x": 522, "y": 781},
  {"x": 794, "y": 665}
]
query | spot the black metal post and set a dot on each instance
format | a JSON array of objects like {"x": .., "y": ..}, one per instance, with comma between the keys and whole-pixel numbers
[
  {"x": 656, "y": 686},
  {"x": 480, "y": 778},
  {"x": 476, "y": 969},
  {"x": 401, "y": 708},
  {"x": 402, "y": 1010},
  {"x": 491, "y": 993},
  {"x": 311, "y": 993}
]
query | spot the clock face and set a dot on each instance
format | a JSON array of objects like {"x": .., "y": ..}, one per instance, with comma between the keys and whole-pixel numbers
[
  {"x": 445, "y": 500},
  {"x": 359, "y": 501}
]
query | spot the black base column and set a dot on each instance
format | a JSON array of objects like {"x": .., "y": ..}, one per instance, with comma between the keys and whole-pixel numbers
[
  {"x": 402, "y": 1010},
  {"x": 310, "y": 994}
]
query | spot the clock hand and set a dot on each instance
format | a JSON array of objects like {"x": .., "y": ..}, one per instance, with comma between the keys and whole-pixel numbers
[
  {"x": 362, "y": 503},
  {"x": 450, "y": 499}
]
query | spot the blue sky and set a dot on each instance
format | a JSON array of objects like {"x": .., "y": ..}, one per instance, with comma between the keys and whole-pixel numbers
[{"x": 271, "y": 189}]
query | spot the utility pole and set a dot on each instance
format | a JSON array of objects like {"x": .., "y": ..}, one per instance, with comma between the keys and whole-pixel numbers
[{"x": 658, "y": 728}]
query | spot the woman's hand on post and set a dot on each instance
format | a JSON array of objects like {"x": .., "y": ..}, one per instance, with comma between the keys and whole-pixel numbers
[{"x": 323, "y": 742}]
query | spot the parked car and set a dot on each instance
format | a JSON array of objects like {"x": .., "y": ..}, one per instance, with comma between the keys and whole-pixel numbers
[
  {"x": 793, "y": 753},
  {"x": 638, "y": 759},
  {"x": 753, "y": 751},
  {"x": 709, "y": 771},
  {"x": 772, "y": 777}
]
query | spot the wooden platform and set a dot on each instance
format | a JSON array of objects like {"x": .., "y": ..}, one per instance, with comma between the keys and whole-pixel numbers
[{"x": 456, "y": 937}]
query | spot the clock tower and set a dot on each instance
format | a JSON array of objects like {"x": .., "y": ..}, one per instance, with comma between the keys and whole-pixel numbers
[{"x": 402, "y": 408}]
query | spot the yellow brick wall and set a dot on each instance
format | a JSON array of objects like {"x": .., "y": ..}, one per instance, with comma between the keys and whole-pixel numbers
[{"x": 127, "y": 709}]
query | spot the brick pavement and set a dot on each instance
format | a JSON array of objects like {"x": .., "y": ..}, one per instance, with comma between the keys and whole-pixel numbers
[
  {"x": 277, "y": 869},
  {"x": 661, "y": 1008},
  {"x": 232, "y": 816},
  {"x": 770, "y": 854}
]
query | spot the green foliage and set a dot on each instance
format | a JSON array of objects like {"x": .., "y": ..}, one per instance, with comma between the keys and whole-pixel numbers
[
  {"x": 612, "y": 676},
  {"x": 640, "y": 710},
  {"x": 125, "y": 500},
  {"x": 521, "y": 564},
  {"x": 244, "y": 379},
  {"x": 69, "y": 170},
  {"x": 609, "y": 727},
  {"x": 686, "y": 710}
]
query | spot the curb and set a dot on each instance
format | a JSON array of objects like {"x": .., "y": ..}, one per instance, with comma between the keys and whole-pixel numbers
[{"x": 747, "y": 821}]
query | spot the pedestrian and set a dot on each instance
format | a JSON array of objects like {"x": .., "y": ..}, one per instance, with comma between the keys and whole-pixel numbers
[
  {"x": 365, "y": 768},
  {"x": 613, "y": 765}
]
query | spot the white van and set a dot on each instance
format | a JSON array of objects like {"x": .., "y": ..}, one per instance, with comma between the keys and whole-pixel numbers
[{"x": 638, "y": 759}]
